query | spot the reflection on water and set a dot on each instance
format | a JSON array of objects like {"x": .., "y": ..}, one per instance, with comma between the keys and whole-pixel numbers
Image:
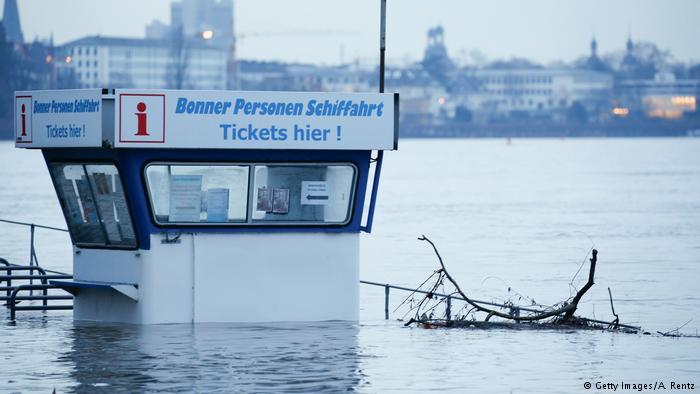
[
  {"x": 43, "y": 353},
  {"x": 289, "y": 357},
  {"x": 293, "y": 357}
]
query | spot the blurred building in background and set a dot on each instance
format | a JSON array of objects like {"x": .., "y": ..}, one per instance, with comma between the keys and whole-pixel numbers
[
  {"x": 198, "y": 24},
  {"x": 144, "y": 63},
  {"x": 637, "y": 90},
  {"x": 544, "y": 93},
  {"x": 662, "y": 97}
]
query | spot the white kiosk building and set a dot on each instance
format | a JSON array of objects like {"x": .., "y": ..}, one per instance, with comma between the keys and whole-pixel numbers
[{"x": 212, "y": 206}]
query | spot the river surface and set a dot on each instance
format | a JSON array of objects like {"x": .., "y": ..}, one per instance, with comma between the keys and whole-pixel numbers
[{"x": 521, "y": 216}]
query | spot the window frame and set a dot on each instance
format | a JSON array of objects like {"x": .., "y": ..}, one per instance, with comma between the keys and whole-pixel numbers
[
  {"x": 85, "y": 163},
  {"x": 250, "y": 196}
]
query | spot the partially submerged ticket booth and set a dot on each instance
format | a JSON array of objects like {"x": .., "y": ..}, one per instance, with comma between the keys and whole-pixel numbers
[{"x": 212, "y": 206}]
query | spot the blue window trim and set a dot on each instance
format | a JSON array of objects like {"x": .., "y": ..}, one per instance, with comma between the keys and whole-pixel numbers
[
  {"x": 248, "y": 222},
  {"x": 65, "y": 217},
  {"x": 131, "y": 165}
]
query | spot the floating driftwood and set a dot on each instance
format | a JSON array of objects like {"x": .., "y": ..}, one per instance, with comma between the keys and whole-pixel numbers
[{"x": 520, "y": 317}]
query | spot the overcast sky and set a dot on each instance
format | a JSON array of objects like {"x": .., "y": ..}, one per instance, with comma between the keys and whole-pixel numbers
[{"x": 321, "y": 31}]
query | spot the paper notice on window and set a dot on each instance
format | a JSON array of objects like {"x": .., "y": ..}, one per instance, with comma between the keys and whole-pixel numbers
[
  {"x": 73, "y": 212},
  {"x": 217, "y": 205},
  {"x": 101, "y": 183},
  {"x": 106, "y": 207},
  {"x": 88, "y": 205},
  {"x": 185, "y": 198},
  {"x": 280, "y": 200},
  {"x": 314, "y": 193},
  {"x": 264, "y": 203},
  {"x": 123, "y": 217}
]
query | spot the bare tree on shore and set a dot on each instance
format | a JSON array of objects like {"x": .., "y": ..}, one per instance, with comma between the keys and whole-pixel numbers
[{"x": 179, "y": 59}]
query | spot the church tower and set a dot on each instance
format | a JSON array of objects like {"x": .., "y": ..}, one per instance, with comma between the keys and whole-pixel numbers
[
  {"x": 594, "y": 63},
  {"x": 630, "y": 44},
  {"x": 629, "y": 62},
  {"x": 10, "y": 20}
]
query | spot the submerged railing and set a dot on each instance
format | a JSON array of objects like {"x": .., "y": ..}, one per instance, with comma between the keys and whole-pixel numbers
[
  {"x": 448, "y": 299},
  {"x": 515, "y": 310},
  {"x": 33, "y": 260},
  {"x": 30, "y": 273},
  {"x": 13, "y": 297}
]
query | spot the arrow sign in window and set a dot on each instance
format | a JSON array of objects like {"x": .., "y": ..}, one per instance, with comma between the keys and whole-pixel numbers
[{"x": 314, "y": 193}]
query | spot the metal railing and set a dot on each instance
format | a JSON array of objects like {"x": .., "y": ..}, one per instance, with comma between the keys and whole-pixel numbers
[
  {"x": 13, "y": 292},
  {"x": 12, "y": 302},
  {"x": 9, "y": 276},
  {"x": 12, "y": 297},
  {"x": 33, "y": 260},
  {"x": 514, "y": 310},
  {"x": 448, "y": 299}
]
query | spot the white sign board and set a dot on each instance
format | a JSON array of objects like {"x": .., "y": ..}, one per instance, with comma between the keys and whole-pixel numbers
[
  {"x": 58, "y": 118},
  {"x": 314, "y": 193},
  {"x": 255, "y": 120}
]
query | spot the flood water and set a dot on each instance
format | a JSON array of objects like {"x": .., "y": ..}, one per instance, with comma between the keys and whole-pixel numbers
[{"x": 522, "y": 215}]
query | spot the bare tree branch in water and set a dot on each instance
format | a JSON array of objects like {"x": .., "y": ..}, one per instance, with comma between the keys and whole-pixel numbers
[
  {"x": 561, "y": 314},
  {"x": 615, "y": 322}
]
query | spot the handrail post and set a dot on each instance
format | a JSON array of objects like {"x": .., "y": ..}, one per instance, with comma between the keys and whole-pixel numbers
[
  {"x": 11, "y": 302},
  {"x": 31, "y": 244},
  {"x": 31, "y": 253},
  {"x": 386, "y": 302},
  {"x": 9, "y": 281},
  {"x": 448, "y": 308}
]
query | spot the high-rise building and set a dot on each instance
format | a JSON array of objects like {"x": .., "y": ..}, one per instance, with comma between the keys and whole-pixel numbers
[
  {"x": 204, "y": 22},
  {"x": 208, "y": 19}
]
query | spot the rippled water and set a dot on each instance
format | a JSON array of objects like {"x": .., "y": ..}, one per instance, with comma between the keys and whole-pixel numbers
[{"x": 522, "y": 215}]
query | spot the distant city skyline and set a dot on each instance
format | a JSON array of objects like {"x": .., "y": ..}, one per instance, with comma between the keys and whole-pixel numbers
[{"x": 322, "y": 32}]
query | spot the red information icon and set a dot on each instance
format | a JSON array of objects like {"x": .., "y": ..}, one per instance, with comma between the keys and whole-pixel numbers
[
  {"x": 142, "y": 118},
  {"x": 23, "y": 119}
]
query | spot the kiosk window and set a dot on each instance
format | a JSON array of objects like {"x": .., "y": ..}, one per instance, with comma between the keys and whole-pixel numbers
[
  {"x": 207, "y": 194},
  {"x": 303, "y": 193},
  {"x": 94, "y": 204},
  {"x": 257, "y": 194}
]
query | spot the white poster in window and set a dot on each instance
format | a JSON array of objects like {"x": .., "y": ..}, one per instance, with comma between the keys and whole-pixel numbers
[
  {"x": 106, "y": 208},
  {"x": 217, "y": 205},
  {"x": 314, "y": 193},
  {"x": 105, "y": 205},
  {"x": 185, "y": 198}
]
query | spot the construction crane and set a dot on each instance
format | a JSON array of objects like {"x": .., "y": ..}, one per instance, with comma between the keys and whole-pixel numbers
[{"x": 233, "y": 66}]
